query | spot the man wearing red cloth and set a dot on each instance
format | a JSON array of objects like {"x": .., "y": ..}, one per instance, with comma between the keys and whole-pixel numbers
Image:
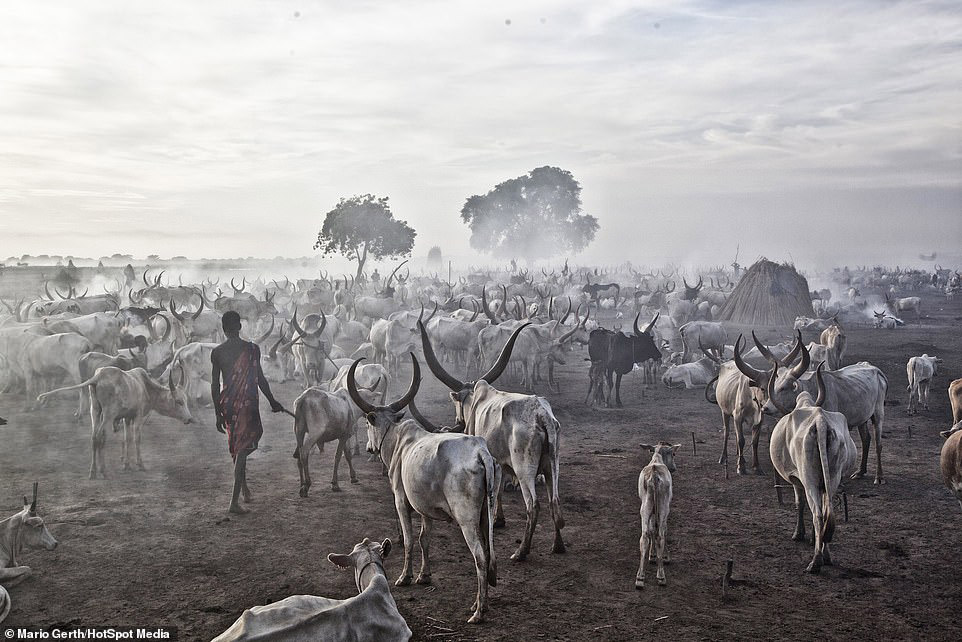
[{"x": 236, "y": 406}]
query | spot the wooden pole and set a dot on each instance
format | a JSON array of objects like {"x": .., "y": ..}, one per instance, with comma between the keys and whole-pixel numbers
[
  {"x": 727, "y": 578},
  {"x": 694, "y": 449}
]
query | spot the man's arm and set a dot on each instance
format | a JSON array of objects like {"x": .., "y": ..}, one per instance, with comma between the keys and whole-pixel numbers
[
  {"x": 266, "y": 387},
  {"x": 215, "y": 390}
]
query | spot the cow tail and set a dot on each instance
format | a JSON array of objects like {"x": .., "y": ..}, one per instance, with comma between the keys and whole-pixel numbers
[
  {"x": 828, "y": 519},
  {"x": 491, "y": 472},
  {"x": 708, "y": 387},
  {"x": 552, "y": 431},
  {"x": 299, "y": 430}
]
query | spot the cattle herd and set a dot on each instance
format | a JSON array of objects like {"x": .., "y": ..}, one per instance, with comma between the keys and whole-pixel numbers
[{"x": 354, "y": 347}]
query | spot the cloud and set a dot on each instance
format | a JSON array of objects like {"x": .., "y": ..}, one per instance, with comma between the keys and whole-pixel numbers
[{"x": 220, "y": 116}]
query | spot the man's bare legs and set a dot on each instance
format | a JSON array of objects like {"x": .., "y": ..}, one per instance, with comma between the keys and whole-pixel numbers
[{"x": 240, "y": 484}]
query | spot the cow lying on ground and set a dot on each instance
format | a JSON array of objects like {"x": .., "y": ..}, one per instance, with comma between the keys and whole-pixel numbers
[
  {"x": 24, "y": 528},
  {"x": 811, "y": 448},
  {"x": 370, "y": 615},
  {"x": 654, "y": 490}
]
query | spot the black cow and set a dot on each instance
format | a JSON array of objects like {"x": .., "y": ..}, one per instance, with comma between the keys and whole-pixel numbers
[{"x": 619, "y": 352}]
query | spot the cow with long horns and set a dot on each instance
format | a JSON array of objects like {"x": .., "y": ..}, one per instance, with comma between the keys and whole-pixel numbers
[
  {"x": 446, "y": 476},
  {"x": 521, "y": 431},
  {"x": 24, "y": 528},
  {"x": 619, "y": 352}
]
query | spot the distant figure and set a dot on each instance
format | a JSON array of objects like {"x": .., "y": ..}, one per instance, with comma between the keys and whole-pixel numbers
[
  {"x": 236, "y": 406},
  {"x": 375, "y": 276},
  {"x": 129, "y": 276}
]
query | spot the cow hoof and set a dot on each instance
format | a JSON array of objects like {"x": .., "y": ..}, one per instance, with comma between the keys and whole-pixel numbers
[
  {"x": 813, "y": 568},
  {"x": 879, "y": 481},
  {"x": 355, "y": 480},
  {"x": 722, "y": 459},
  {"x": 858, "y": 475},
  {"x": 335, "y": 488},
  {"x": 424, "y": 579},
  {"x": 404, "y": 580},
  {"x": 758, "y": 470},
  {"x": 798, "y": 536},
  {"x": 518, "y": 556},
  {"x": 303, "y": 492},
  {"x": 558, "y": 547},
  {"x": 475, "y": 619},
  {"x": 499, "y": 522},
  {"x": 639, "y": 584},
  {"x": 662, "y": 581}
]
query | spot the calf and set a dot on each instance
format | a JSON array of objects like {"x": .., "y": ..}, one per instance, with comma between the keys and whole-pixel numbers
[
  {"x": 370, "y": 615},
  {"x": 24, "y": 528},
  {"x": 811, "y": 448},
  {"x": 920, "y": 372},
  {"x": 654, "y": 490}
]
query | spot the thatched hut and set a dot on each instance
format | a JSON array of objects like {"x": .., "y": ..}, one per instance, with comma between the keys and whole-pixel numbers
[{"x": 768, "y": 294}]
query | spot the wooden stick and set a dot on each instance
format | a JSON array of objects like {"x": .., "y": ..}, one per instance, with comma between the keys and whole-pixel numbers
[
  {"x": 778, "y": 488},
  {"x": 727, "y": 578},
  {"x": 694, "y": 449}
]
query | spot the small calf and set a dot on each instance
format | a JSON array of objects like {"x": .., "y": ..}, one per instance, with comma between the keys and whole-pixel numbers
[
  {"x": 654, "y": 490},
  {"x": 920, "y": 372}
]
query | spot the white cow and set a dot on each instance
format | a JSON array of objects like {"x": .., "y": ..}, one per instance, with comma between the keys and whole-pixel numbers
[
  {"x": 920, "y": 372},
  {"x": 370, "y": 615},
  {"x": 22, "y": 529},
  {"x": 811, "y": 448},
  {"x": 654, "y": 490}
]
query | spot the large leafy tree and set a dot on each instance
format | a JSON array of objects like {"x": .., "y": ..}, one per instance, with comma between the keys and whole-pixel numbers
[
  {"x": 537, "y": 215},
  {"x": 363, "y": 226}
]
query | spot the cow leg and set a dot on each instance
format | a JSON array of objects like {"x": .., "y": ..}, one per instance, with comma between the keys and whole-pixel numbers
[
  {"x": 618, "y": 391},
  {"x": 799, "y": 534},
  {"x": 128, "y": 445},
  {"x": 337, "y": 461},
  {"x": 644, "y": 545},
  {"x": 554, "y": 503},
  {"x": 532, "y": 507},
  {"x": 815, "y": 505},
  {"x": 591, "y": 385},
  {"x": 350, "y": 464},
  {"x": 727, "y": 421},
  {"x": 357, "y": 446},
  {"x": 740, "y": 443},
  {"x": 660, "y": 542},
  {"x": 756, "y": 434},
  {"x": 303, "y": 454},
  {"x": 866, "y": 439},
  {"x": 470, "y": 529},
  {"x": 424, "y": 576},
  {"x": 499, "y": 510},
  {"x": 137, "y": 430},
  {"x": 924, "y": 394},
  {"x": 97, "y": 438},
  {"x": 877, "y": 426},
  {"x": 407, "y": 534}
]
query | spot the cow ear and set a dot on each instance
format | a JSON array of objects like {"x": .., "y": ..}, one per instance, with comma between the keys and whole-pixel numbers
[
  {"x": 454, "y": 397},
  {"x": 385, "y": 548},
  {"x": 371, "y": 418},
  {"x": 675, "y": 448},
  {"x": 399, "y": 416},
  {"x": 342, "y": 562},
  {"x": 752, "y": 384},
  {"x": 650, "y": 449}
]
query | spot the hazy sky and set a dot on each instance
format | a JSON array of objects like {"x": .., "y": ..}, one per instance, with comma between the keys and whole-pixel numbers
[{"x": 829, "y": 130}]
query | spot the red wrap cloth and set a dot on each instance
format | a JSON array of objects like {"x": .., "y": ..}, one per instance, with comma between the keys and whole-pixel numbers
[{"x": 239, "y": 402}]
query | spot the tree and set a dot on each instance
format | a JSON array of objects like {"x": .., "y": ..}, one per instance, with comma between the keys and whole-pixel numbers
[
  {"x": 363, "y": 226},
  {"x": 537, "y": 215}
]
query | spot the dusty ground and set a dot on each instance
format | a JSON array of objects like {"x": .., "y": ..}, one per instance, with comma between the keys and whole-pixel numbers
[{"x": 156, "y": 548}]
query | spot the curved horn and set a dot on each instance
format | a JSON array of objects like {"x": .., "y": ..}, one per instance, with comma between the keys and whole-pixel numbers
[
  {"x": 297, "y": 328},
  {"x": 567, "y": 335},
  {"x": 791, "y": 356},
  {"x": 146, "y": 282},
  {"x": 157, "y": 280},
  {"x": 317, "y": 333},
  {"x": 651, "y": 324},
  {"x": 758, "y": 376},
  {"x": 170, "y": 378},
  {"x": 199, "y": 310},
  {"x": 685, "y": 281},
  {"x": 673, "y": 286},
  {"x": 504, "y": 306},
  {"x": 567, "y": 312},
  {"x": 236, "y": 289},
  {"x": 435, "y": 311},
  {"x": 267, "y": 334},
  {"x": 802, "y": 365},
  {"x": 33, "y": 504},
  {"x": 477, "y": 311},
  {"x": 486, "y": 309},
  {"x": 587, "y": 314},
  {"x": 356, "y": 397},
  {"x": 820, "y": 399},
  {"x": 706, "y": 353},
  {"x": 167, "y": 329},
  {"x": 412, "y": 392},
  {"x": 280, "y": 338},
  {"x": 442, "y": 375},
  {"x": 430, "y": 427},
  {"x": 173, "y": 310},
  {"x": 492, "y": 375},
  {"x": 771, "y": 392},
  {"x": 764, "y": 351}
]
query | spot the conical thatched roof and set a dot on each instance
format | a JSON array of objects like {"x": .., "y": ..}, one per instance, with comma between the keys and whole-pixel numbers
[{"x": 768, "y": 294}]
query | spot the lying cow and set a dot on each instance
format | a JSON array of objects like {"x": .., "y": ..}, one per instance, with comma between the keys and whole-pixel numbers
[
  {"x": 696, "y": 374},
  {"x": 370, "y": 615},
  {"x": 811, "y": 448},
  {"x": 886, "y": 322},
  {"x": 24, "y": 528},
  {"x": 920, "y": 372},
  {"x": 654, "y": 490}
]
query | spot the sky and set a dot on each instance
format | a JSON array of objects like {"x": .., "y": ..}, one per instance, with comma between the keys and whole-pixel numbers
[{"x": 817, "y": 131}]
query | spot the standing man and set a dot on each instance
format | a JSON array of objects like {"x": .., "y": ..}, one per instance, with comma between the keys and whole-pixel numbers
[{"x": 236, "y": 406}]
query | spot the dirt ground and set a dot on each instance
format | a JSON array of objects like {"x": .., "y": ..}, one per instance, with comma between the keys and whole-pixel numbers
[{"x": 157, "y": 548}]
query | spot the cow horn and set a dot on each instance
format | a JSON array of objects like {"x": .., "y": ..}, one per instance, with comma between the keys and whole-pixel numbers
[
  {"x": 706, "y": 353},
  {"x": 435, "y": 311},
  {"x": 504, "y": 305},
  {"x": 442, "y": 375},
  {"x": 173, "y": 310},
  {"x": 430, "y": 427},
  {"x": 199, "y": 310},
  {"x": 280, "y": 339},
  {"x": 587, "y": 314},
  {"x": 146, "y": 282},
  {"x": 84, "y": 294},
  {"x": 170, "y": 378},
  {"x": 771, "y": 391},
  {"x": 764, "y": 351},
  {"x": 551, "y": 309},
  {"x": 567, "y": 335},
  {"x": 685, "y": 281},
  {"x": 296, "y": 326},
  {"x": 492, "y": 375},
  {"x": 486, "y": 309},
  {"x": 356, "y": 397},
  {"x": 758, "y": 376},
  {"x": 60, "y": 294},
  {"x": 157, "y": 280},
  {"x": 167, "y": 329},
  {"x": 317, "y": 333},
  {"x": 567, "y": 312},
  {"x": 820, "y": 383},
  {"x": 791, "y": 356},
  {"x": 802, "y": 365},
  {"x": 267, "y": 334},
  {"x": 412, "y": 392},
  {"x": 33, "y": 504}
]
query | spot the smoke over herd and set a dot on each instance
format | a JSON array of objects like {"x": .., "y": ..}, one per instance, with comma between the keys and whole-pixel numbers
[{"x": 586, "y": 321}]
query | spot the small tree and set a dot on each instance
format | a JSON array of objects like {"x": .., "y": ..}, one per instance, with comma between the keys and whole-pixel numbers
[
  {"x": 363, "y": 226},
  {"x": 537, "y": 215}
]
